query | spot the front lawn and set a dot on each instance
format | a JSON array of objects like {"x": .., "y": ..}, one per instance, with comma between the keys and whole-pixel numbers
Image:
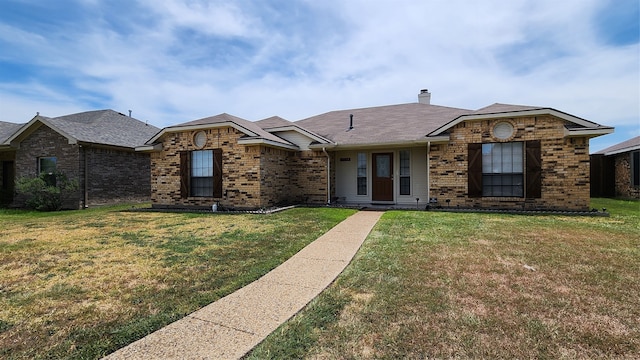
[
  {"x": 81, "y": 284},
  {"x": 459, "y": 285}
]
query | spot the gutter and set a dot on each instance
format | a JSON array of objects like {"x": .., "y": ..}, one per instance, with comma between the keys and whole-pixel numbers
[{"x": 328, "y": 175}]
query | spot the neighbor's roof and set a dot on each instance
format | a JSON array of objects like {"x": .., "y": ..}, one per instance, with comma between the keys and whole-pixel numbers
[
  {"x": 7, "y": 129},
  {"x": 625, "y": 146},
  {"x": 254, "y": 133},
  {"x": 391, "y": 124},
  {"x": 104, "y": 127}
]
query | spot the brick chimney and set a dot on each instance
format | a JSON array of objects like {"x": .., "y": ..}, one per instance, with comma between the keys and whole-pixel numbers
[{"x": 424, "y": 97}]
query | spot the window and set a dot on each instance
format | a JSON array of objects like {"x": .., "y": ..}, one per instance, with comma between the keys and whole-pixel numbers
[
  {"x": 47, "y": 166},
  {"x": 362, "y": 174},
  {"x": 498, "y": 169},
  {"x": 502, "y": 169},
  {"x": 635, "y": 168},
  {"x": 405, "y": 173},
  {"x": 201, "y": 173}
]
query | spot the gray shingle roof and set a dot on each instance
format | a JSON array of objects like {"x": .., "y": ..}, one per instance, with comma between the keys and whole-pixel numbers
[
  {"x": 106, "y": 127},
  {"x": 624, "y": 146},
  {"x": 273, "y": 122},
  {"x": 502, "y": 108},
  {"x": 382, "y": 124},
  {"x": 7, "y": 129}
]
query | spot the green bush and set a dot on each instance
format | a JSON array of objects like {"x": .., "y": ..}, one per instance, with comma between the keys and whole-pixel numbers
[{"x": 46, "y": 192}]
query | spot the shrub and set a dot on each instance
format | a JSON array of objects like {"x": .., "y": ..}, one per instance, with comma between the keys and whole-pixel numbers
[{"x": 46, "y": 192}]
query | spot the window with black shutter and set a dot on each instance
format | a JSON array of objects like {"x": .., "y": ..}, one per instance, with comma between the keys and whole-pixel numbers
[{"x": 201, "y": 173}]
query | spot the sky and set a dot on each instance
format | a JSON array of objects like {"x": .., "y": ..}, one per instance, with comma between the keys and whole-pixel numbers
[{"x": 171, "y": 61}]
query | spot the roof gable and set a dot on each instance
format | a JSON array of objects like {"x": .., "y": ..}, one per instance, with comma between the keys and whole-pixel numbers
[
  {"x": 254, "y": 133},
  {"x": 582, "y": 127},
  {"x": 101, "y": 127}
]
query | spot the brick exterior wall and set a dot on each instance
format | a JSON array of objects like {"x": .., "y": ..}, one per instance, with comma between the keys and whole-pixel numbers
[
  {"x": 7, "y": 158},
  {"x": 252, "y": 176},
  {"x": 44, "y": 142},
  {"x": 115, "y": 175},
  {"x": 623, "y": 185},
  {"x": 565, "y": 165}
]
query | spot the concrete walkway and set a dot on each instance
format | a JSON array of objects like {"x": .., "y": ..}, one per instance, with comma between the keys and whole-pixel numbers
[{"x": 230, "y": 327}]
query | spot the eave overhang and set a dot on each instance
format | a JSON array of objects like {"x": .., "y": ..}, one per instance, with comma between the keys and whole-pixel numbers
[
  {"x": 300, "y": 130},
  {"x": 174, "y": 129},
  {"x": 378, "y": 145},
  {"x": 261, "y": 141},
  {"x": 591, "y": 128},
  {"x": 588, "y": 132}
]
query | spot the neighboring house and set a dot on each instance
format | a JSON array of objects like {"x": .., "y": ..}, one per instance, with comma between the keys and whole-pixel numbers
[
  {"x": 96, "y": 148},
  {"x": 615, "y": 171},
  {"x": 501, "y": 156},
  {"x": 7, "y": 161}
]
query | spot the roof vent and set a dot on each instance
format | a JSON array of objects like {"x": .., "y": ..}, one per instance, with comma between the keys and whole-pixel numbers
[
  {"x": 350, "y": 121},
  {"x": 424, "y": 97}
]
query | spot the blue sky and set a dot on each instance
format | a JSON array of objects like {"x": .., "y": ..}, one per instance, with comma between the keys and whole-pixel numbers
[{"x": 173, "y": 61}]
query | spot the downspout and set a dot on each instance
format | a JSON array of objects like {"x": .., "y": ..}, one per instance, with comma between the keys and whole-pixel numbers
[
  {"x": 328, "y": 175},
  {"x": 428, "y": 173},
  {"x": 86, "y": 177}
]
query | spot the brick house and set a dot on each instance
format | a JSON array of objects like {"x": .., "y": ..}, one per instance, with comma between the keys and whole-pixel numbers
[
  {"x": 615, "y": 171},
  {"x": 7, "y": 161},
  {"x": 500, "y": 156},
  {"x": 236, "y": 163},
  {"x": 96, "y": 148}
]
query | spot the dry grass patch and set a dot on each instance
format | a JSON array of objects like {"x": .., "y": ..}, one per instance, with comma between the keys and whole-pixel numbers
[
  {"x": 83, "y": 284},
  {"x": 482, "y": 286}
]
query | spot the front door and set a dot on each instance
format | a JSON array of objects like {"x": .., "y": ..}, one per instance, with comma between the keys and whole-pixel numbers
[{"x": 382, "y": 181}]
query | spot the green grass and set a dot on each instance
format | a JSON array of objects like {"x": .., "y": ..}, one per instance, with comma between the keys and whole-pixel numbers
[
  {"x": 81, "y": 284},
  {"x": 448, "y": 285}
]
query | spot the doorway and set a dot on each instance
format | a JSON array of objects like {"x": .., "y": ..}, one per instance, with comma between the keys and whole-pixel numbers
[{"x": 382, "y": 180}]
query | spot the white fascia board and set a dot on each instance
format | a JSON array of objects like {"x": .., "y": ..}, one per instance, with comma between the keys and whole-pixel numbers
[
  {"x": 173, "y": 129},
  {"x": 149, "y": 148},
  {"x": 438, "y": 139},
  {"x": 299, "y": 130},
  {"x": 510, "y": 114},
  {"x": 587, "y": 132},
  {"x": 261, "y": 141},
  {"x": 379, "y": 145}
]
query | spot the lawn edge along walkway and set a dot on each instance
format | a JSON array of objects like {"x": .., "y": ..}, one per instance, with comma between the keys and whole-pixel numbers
[{"x": 230, "y": 327}]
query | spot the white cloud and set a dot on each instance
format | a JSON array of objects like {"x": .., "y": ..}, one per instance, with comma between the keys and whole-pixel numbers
[{"x": 182, "y": 60}]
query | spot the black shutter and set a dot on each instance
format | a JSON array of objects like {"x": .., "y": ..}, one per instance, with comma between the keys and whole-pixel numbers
[
  {"x": 534, "y": 170},
  {"x": 184, "y": 174},
  {"x": 475, "y": 170},
  {"x": 217, "y": 173}
]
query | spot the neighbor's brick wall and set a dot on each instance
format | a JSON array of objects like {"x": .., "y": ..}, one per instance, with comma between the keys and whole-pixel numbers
[
  {"x": 565, "y": 165},
  {"x": 44, "y": 142},
  {"x": 116, "y": 176},
  {"x": 623, "y": 185}
]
